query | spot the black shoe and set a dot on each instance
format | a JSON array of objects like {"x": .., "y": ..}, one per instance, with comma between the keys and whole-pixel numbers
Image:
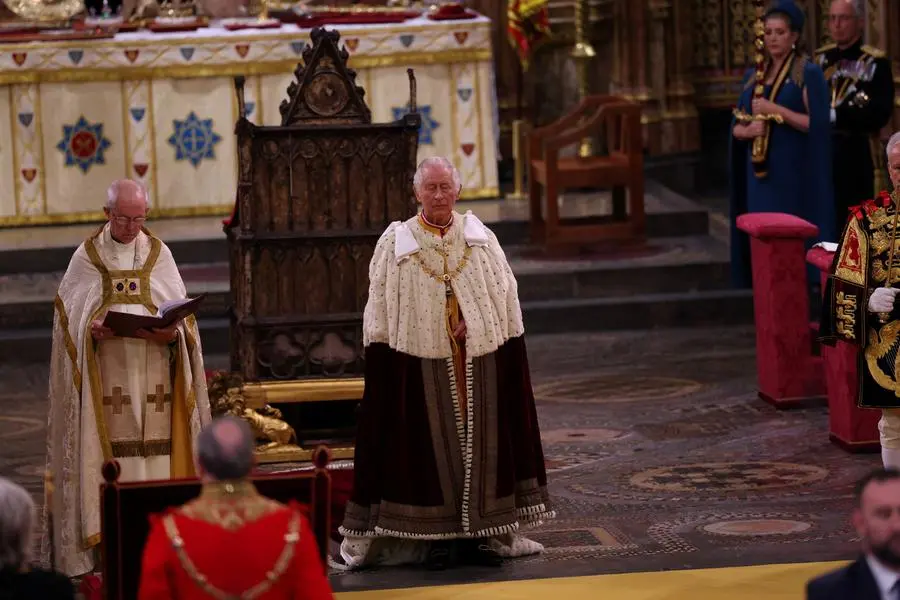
[
  {"x": 440, "y": 556},
  {"x": 479, "y": 553}
]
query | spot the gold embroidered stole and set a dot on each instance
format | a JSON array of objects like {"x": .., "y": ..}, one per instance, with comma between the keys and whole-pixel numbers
[
  {"x": 759, "y": 153},
  {"x": 181, "y": 463},
  {"x": 129, "y": 286},
  {"x": 453, "y": 312}
]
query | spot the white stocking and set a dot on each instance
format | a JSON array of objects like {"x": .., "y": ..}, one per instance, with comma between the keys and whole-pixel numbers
[{"x": 890, "y": 457}]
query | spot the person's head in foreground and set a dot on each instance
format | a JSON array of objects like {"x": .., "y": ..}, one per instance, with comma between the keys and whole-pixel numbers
[
  {"x": 845, "y": 21},
  {"x": 877, "y": 515},
  {"x": 16, "y": 526},
  {"x": 893, "y": 159},
  {"x": 437, "y": 185},
  {"x": 224, "y": 450},
  {"x": 126, "y": 209}
]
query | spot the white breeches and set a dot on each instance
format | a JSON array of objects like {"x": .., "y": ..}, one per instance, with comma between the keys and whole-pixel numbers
[{"x": 889, "y": 427}]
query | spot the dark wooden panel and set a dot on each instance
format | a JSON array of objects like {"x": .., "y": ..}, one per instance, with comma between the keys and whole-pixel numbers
[{"x": 314, "y": 195}]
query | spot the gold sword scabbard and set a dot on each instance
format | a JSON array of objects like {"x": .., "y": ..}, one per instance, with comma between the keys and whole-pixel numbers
[{"x": 885, "y": 317}]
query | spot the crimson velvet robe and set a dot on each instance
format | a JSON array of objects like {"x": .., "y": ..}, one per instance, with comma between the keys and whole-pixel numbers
[{"x": 231, "y": 544}]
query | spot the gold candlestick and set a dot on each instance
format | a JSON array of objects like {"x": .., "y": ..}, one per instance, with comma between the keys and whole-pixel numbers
[
  {"x": 518, "y": 162},
  {"x": 582, "y": 53}
]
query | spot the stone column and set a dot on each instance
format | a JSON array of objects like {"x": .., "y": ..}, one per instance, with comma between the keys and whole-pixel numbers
[
  {"x": 630, "y": 59},
  {"x": 680, "y": 125},
  {"x": 652, "y": 67}
]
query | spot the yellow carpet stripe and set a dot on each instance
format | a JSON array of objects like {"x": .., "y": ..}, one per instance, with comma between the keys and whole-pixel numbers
[{"x": 772, "y": 582}]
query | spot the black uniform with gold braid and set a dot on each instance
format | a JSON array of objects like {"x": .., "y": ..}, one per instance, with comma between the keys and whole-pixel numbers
[
  {"x": 860, "y": 266},
  {"x": 862, "y": 95}
]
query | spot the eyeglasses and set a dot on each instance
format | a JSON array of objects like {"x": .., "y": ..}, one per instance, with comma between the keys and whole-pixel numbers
[{"x": 126, "y": 221}]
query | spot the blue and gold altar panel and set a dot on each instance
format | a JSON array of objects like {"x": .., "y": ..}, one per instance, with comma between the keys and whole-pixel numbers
[{"x": 161, "y": 108}]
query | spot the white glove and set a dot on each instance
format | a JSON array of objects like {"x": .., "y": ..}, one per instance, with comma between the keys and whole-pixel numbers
[
  {"x": 826, "y": 246},
  {"x": 882, "y": 300}
]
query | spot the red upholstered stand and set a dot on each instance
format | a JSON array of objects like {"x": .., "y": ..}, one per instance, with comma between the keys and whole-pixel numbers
[
  {"x": 789, "y": 375},
  {"x": 852, "y": 428}
]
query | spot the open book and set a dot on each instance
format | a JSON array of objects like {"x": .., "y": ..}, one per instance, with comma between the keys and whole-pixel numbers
[{"x": 127, "y": 325}]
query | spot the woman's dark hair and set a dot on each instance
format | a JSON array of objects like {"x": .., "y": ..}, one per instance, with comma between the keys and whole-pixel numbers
[
  {"x": 800, "y": 45},
  {"x": 780, "y": 14}
]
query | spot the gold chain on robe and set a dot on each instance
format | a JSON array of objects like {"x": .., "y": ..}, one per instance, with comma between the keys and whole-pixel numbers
[{"x": 453, "y": 313}]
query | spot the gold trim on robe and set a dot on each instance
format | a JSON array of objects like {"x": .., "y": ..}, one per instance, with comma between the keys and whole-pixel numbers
[
  {"x": 78, "y": 440},
  {"x": 760, "y": 148},
  {"x": 861, "y": 265}
]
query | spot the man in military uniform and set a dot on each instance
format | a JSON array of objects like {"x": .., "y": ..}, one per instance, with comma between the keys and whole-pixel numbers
[
  {"x": 862, "y": 100},
  {"x": 860, "y": 303}
]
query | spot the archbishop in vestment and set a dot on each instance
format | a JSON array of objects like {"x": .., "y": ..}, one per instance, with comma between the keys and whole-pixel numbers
[
  {"x": 448, "y": 448},
  {"x": 138, "y": 401}
]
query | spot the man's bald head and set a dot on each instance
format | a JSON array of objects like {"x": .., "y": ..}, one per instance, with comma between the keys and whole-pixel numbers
[
  {"x": 126, "y": 208},
  {"x": 126, "y": 192},
  {"x": 225, "y": 449}
]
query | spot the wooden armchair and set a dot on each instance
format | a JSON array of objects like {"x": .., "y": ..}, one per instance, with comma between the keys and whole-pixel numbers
[{"x": 614, "y": 119}]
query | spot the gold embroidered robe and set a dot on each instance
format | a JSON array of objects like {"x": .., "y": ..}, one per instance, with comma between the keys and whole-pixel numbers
[
  {"x": 861, "y": 266},
  {"x": 135, "y": 401}
]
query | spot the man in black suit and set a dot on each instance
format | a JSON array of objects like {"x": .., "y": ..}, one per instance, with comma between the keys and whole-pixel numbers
[{"x": 876, "y": 574}]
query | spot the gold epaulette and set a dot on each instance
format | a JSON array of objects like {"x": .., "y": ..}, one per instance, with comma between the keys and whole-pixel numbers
[
  {"x": 873, "y": 51},
  {"x": 826, "y": 48}
]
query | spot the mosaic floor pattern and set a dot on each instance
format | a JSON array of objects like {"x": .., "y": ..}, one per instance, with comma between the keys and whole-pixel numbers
[{"x": 659, "y": 455}]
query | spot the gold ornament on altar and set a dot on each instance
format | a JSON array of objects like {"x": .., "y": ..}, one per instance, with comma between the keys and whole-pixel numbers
[
  {"x": 45, "y": 10},
  {"x": 271, "y": 432},
  {"x": 176, "y": 10}
]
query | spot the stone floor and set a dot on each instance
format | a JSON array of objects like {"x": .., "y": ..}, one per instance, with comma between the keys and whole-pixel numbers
[{"x": 659, "y": 455}]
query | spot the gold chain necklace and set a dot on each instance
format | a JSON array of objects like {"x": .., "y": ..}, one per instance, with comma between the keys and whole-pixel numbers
[{"x": 447, "y": 276}]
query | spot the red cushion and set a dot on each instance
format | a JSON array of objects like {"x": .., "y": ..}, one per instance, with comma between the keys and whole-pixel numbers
[
  {"x": 820, "y": 258},
  {"x": 776, "y": 225}
]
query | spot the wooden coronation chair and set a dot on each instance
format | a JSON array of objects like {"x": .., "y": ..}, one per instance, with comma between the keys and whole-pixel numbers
[
  {"x": 609, "y": 118},
  {"x": 126, "y": 506}
]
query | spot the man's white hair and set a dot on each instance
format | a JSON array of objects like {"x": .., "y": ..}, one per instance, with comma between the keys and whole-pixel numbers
[
  {"x": 437, "y": 162},
  {"x": 892, "y": 144},
  {"x": 856, "y": 5},
  {"x": 16, "y": 525},
  {"x": 112, "y": 192}
]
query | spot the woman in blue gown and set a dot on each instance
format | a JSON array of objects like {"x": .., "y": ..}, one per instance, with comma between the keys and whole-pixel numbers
[{"x": 794, "y": 175}]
